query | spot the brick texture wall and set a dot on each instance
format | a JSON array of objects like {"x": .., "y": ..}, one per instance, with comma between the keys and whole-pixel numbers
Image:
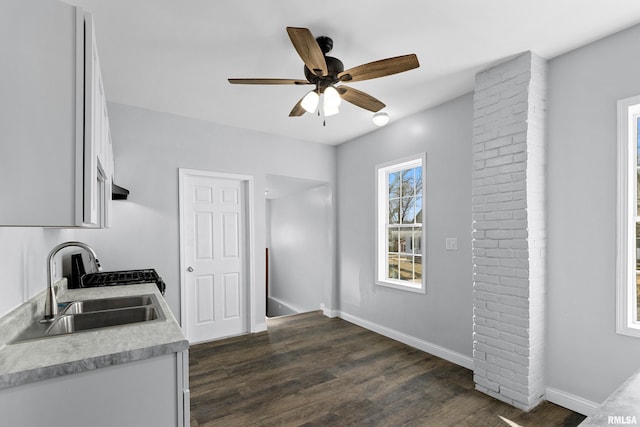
[{"x": 509, "y": 238}]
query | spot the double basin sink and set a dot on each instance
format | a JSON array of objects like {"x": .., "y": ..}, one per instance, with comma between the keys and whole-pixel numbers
[{"x": 79, "y": 316}]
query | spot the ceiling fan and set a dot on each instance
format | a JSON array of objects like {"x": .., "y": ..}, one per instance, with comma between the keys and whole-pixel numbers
[{"x": 324, "y": 72}]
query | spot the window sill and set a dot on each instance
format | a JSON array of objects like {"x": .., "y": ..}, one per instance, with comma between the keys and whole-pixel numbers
[
  {"x": 630, "y": 331},
  {"x": 419, "y": 288}
]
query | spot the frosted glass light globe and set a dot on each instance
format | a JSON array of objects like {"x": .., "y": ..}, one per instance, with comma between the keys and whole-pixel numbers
[{"x": 381, "y": 118}]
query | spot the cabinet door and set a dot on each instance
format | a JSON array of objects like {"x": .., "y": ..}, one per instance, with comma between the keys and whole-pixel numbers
[
  {"x": 140, "y": 393},
  {"x": 97, "y": 188},
  {"x": 91, "y": 179},
  {"x": 108, "y": 203},
  {"x": 53, "y": 119},
  {"x": 37, "y": 113}
]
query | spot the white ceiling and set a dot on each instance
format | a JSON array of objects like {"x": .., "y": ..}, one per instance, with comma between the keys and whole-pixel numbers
[{"x": 175, "y": 56}]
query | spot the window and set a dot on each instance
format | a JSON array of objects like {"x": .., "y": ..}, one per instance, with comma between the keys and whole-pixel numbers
[
  {"x": 628, "y": 229},
  {"x": 400, "y": 234}
]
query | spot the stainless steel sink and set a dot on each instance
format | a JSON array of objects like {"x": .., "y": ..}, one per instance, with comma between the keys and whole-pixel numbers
[
  {"x": 70, "y": 323},
  {"x": 79, "y": 316},
  {"x": 76, "y": 307}
]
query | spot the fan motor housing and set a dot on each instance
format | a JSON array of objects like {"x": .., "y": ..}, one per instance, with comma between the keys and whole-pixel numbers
[{"x": 334, "y": 67}]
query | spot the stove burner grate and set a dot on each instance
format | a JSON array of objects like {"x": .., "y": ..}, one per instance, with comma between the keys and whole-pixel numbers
[{"x": 125, "y": 277}]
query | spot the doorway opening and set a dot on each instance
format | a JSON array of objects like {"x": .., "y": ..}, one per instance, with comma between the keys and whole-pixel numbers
[{"x": 299, "y": 242}]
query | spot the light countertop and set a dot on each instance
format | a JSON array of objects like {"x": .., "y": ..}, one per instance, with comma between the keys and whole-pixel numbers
[
  {"x": 622, "y": 407},
  {"x": 35, "y": 360}
]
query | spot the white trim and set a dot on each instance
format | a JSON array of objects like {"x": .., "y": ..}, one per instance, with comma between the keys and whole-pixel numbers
[
  {"x": 627, "y": 109},
  {"x": 328, "y": 312},
  {"x": 442, "y": 352},
  {"x": 79, "y": 118},
  {"x": 403, "y": 163},
  {"x": 182, "y": 393},
  {"x": 252, "y": 325},
  {"x": 570, "y": 401},
  {"x": 291, "y": 307},
  {"x": 251, "y": 253},
  {"x": 380, "y": 215}
]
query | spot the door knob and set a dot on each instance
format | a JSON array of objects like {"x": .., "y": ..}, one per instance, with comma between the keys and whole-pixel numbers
[{"x": 190, "y": 269}]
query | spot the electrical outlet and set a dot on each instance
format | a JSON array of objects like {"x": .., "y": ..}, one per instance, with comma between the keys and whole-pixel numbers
[{"x": 451, "y": 243}]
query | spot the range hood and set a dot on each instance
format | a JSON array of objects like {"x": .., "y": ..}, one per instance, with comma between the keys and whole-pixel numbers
[{"x": 118, "y": 193}]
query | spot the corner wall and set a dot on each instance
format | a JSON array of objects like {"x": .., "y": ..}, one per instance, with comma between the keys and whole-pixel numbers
[
  {"x": 23, "y": 262},
  {"x": 300, "y": 249}
]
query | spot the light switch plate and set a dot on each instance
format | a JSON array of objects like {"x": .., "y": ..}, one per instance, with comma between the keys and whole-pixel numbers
[{"x": 451, "y": 243}]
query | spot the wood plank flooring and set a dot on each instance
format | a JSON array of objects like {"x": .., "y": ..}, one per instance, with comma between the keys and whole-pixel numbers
[{"x": 310, "y": 370}]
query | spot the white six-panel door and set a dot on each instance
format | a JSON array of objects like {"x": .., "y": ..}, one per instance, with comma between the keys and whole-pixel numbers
[{"x": 214, "y": 257}]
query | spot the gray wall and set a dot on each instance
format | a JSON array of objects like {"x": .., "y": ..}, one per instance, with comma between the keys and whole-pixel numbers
[
  {"x": 585, "y": 356},
  {"x": 300, "y": 251},
  {"x": 442, "y": 316},
  {"x": 23, "y": 262},
  {"x": 150, "y": 147}
]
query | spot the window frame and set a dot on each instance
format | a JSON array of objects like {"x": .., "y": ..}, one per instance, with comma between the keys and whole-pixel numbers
[
  {"x": 626, "y": 299},
  {"x": 382, "y": 204}
]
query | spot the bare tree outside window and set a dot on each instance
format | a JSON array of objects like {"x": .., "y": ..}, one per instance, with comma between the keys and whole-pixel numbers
[{"x": 405, "y": 225}]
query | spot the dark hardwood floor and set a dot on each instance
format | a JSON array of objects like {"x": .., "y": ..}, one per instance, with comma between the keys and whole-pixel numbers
[{"x": 309, "y": 370}]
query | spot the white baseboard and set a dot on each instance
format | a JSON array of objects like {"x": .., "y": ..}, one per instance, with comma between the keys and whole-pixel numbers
[
  {"x": 570, "y": 401},
  {"x": 436, "y": 350},
  {"x": 328, "y": 312},
  {"x": 259, "y": 327},
  {"x": 288, "y": 305}
]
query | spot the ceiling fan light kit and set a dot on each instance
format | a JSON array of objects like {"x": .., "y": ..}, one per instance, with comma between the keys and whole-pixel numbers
[
  {"x": 324, "y": 72},
  {"x": 330, "y": 111},
  {"x": 331, "y": 98},
  {"x": 310, "y": 101},
  {"x": 380, "y": 118}
]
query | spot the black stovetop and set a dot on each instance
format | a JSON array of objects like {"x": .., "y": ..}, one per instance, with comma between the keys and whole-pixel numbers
[{"x": 124, "y": 277}]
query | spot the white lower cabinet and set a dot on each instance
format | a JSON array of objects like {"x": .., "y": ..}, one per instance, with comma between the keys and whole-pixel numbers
[
  {"x": 54, "y": 129},
  {"x": 148, "y": 392}
]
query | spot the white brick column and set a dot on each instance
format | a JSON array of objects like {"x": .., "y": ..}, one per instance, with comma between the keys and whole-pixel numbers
[{"x": 509, "y": 237}]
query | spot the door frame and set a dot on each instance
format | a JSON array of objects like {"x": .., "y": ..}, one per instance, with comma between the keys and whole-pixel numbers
[{"x": 249, "y": 268}]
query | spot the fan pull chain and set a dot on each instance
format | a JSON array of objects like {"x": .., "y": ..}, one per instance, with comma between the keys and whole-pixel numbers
[{"x": 324, "y": 121}]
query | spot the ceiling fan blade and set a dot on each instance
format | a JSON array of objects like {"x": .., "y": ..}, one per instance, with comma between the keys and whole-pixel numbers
[
  {"x": 381, "y": 68},
  {"x": 308, "y": 49},
  {"x": 360, "y": 98},
  {"x": 297, "y": 110},
  {"x": 268, "y": 82}
]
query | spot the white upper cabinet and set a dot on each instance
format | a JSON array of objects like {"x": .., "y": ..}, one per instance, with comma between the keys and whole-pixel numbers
[
  {"x": 55, "y": 147},
  {"x": 97, "y": 135}
]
